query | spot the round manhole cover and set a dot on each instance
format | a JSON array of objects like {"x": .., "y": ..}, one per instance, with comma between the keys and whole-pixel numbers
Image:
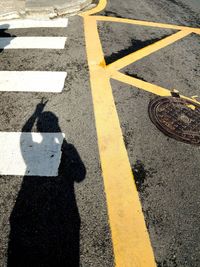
[{"x": 177, "y": 118}]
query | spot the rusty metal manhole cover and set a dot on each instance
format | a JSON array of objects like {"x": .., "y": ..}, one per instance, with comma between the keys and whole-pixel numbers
[{"x": 177, "y": 118}]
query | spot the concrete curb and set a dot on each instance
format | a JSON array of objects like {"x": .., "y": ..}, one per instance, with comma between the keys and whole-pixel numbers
[
  {"x": 54, "y": 9},
  {"x": 10, "y": 15}
]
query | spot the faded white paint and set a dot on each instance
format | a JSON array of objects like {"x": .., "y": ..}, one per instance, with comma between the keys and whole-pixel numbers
[
  {"x": 28, "y": 23},
  {"x": 32, "y": 42},
  {"x": 34, "y": 154},
  {"x": 32, "y": 81}
]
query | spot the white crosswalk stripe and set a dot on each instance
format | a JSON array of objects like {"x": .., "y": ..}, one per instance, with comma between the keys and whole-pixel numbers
[
  {"x": 22, "y": 153},
  {"x": 30, "y": 153},
  {"x": 32, "y": 81},
  {"x": 32, "y": 42},
  {"x": 27, "y": 23}
]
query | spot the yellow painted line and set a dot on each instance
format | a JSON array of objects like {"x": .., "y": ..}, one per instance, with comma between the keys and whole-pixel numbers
[
  {"x": 101, "y": 5},
  {"x": 197, "y": 31},
  {"x": 139, "y": 54},
  {"x": 147, "y": 23},
  {"x": 131, "y": 243},
  {"x": 149, "y": 87}
]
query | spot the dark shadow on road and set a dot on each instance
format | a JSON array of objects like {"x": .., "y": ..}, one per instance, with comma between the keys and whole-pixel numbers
[
  {"x": 134, "y": 75},
  {"x": 135, "y": 45},
  {"x": 108, "y": 13},
  {"x": 5, "y": 35},
  {"x": 45, "y": 221}
]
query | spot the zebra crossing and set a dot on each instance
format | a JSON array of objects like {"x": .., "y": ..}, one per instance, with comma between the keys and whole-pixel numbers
[
  {"x": 32, "y": 42},
  {"x": 28, "y": 23},
  {"x": 23, "y": 153},
  {"x": 32, "y": 81}
]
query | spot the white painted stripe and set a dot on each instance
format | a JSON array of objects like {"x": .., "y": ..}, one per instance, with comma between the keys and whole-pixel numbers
[
  {"x": 32, "y": 42},
  {"x": 30, "y": 153},
  {"x": 28, "y": 23},
  {"x": 32, "y": 81}
]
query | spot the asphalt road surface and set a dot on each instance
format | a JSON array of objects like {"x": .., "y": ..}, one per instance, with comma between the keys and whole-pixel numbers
[
  {"x": 39, "y": 214},
  {"x": 63, "y": 221}
]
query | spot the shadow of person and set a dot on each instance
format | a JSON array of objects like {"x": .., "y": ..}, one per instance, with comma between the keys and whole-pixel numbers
[
  {"x": 6, "y": 37},
  {"x": 45, "y": 221}
]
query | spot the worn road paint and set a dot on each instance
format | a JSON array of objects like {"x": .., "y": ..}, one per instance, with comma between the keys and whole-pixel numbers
[
  {"x": 28, "y": 23},
  {"x": 32, "y": 81},
  {"x": 32, "y": 42},
  {"x": 30, "y": 153},
  {"x": 130, "y": 238}
]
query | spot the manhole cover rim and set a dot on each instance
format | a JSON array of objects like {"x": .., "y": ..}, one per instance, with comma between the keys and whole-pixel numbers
[{"x": 154, "y": 103}]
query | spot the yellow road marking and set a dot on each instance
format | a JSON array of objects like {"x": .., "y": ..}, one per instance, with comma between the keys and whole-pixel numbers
[
  {"x": 131, "y": 243},
  {"x": 191, "y": 107},
  {"x": 135, "y": 56},
  {"x": 147, "y": 23},
  {"x": 101, "y": 5},
  {"x": 149, "y": 87},
  {"x": 158, "y": 90}
]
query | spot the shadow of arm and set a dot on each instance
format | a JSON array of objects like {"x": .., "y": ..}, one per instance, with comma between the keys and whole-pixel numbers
[{"x": 30, "y": 122}]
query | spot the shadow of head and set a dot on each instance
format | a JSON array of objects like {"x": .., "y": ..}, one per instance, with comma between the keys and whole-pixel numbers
[
  {"x": 5, "y": 35},
  {"x": 71, "y": 163},
  {"x": 48, "y": 122},
  {"x": 3, "y": 28}
]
